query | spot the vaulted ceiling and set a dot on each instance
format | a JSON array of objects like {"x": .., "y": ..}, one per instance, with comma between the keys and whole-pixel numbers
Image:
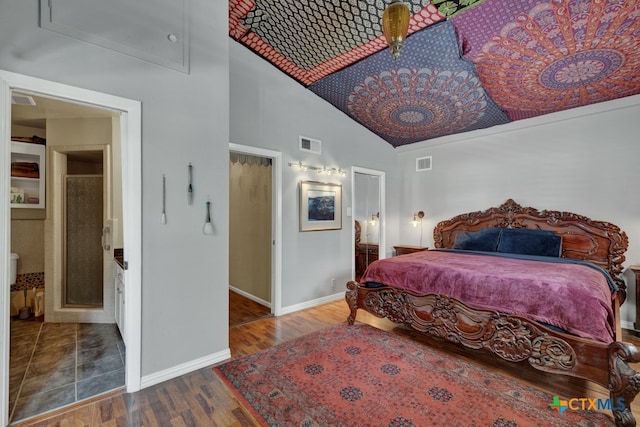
[{"x": 466, "y": 64}]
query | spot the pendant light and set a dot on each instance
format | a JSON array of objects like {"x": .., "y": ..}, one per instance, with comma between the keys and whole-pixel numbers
[{"x": 395, "y": 25}]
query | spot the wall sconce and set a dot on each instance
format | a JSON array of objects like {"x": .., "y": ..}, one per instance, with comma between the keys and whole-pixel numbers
[
  {"x": 321, "y": 170},
  {"x": 375, "y": 217},
  {"x": 417, "y": 219}
]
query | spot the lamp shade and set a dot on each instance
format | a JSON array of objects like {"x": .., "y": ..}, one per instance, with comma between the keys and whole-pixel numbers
[{"x": 395, "y": 25}]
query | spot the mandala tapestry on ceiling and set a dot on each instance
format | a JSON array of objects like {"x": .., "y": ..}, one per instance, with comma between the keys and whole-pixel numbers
[
  {"x": 537, "y": 57},
  {"x": 416, "y": 97}
]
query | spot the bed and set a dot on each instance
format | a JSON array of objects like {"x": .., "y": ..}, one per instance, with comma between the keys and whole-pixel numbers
[{"x": 455, "y": 307}]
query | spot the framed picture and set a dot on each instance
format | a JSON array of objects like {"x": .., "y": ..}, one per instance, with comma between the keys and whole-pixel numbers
[{"x": 320, "y": 206}]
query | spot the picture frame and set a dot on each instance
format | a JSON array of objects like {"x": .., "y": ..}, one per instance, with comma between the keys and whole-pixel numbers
[{"x": 320, "y": 206}]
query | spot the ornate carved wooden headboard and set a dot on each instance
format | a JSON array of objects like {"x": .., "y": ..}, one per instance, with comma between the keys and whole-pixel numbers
[{"x": 599, "y": 242}]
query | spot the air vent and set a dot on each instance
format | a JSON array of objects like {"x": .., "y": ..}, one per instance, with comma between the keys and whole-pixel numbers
[
  {"x": 19, "y": 99},
  {"x": 310, "y": 145},
  {"x": 423, "y": 164}
]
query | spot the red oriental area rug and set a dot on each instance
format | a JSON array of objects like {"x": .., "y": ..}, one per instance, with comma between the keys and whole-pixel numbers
[{"x": 362, "y": 376}]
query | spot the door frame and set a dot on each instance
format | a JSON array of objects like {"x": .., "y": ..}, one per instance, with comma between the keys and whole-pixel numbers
[
  {"x": 131, "y": 140},
  {"x": 276, "y": 221},
  {"x": 54, "y": 302},
  {"x": 382, "y": 244}
]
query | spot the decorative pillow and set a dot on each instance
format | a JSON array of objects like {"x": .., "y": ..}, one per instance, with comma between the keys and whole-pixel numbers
[
  {"x": 484, "y": 240},
  {"x": 530, "y": 242}
]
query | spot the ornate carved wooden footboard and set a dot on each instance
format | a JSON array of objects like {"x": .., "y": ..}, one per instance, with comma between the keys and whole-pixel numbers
[
  {"x": 515, "y": 338},
  {"x": 511, "y": 338}
]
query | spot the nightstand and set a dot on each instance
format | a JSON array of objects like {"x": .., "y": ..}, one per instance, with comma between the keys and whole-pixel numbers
[
  {"x": 636, "y": 272},
  {"x": 366, "y": 253},
  {"x": 408, "y": 249}
]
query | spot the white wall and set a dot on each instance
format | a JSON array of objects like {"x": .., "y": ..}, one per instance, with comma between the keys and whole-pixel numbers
[
  {"x": 184, "y": 119},
  {"x": 270, "y": 110},
  {"x": 584, "y": 161}
]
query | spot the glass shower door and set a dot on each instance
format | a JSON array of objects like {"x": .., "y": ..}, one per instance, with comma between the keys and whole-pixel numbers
[{"x": 83, "y": 278}]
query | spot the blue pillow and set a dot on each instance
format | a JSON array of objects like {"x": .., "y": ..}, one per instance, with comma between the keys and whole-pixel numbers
[
  {"x": 530, "y": 242},
  {"x": 484, "y": 240}
]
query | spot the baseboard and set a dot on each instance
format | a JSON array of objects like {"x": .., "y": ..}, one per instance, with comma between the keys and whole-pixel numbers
[
  {"x": 185, "y": 368},
  {"x": 249, "y": 296},
  {"x": 625, "y": 324},
  {"x": 203, "y": 362},
  {"x": 312, "y": 303}
]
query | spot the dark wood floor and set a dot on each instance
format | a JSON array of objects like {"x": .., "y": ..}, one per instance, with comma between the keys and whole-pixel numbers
[
  {"x": 243, "y": 310},
  {"x": 201, "y": 399}
]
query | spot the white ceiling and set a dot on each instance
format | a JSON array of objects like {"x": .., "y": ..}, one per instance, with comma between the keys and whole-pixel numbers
[{"x": 49, "y": 108}]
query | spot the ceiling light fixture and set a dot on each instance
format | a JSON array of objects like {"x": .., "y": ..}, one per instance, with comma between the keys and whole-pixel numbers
[
  {"x": 395, "y": 25},
  {"x": 319, "y": 169}
]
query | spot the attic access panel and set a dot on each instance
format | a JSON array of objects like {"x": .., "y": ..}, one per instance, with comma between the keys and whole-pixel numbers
[{"x": 154, "y": 31}]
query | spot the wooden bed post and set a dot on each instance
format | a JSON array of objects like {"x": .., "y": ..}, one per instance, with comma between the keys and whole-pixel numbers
[
  {"x": 616, "y": 313},
  {"x": 624, "y": 381},
  {"x": 352, "y": 300}
]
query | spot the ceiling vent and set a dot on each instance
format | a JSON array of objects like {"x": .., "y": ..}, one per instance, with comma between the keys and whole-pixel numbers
[
  {"x": 310, "y": 145},
  {"x": 423, "y": 164},
  {"x": 20, "y": 99}
]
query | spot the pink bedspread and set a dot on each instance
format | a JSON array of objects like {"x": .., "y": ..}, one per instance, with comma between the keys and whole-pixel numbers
[{"x": 573, "y": 297}]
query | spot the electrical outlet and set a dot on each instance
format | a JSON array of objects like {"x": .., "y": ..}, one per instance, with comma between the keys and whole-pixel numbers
[{"x": 333, "y": 283}]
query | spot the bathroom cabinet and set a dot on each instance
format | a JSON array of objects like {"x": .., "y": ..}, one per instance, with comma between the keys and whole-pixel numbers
[
  {"x": 28, "y": 162},
  {"x": 119, "y": 309}
]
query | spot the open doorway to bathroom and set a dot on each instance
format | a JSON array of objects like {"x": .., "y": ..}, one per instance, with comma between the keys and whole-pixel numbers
[
  {"x": 68, "y": 348},
  {"x": 127, "y": 114}
]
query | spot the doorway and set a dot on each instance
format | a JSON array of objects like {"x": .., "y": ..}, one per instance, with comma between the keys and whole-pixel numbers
[
  {"x": 257, "y": 208},
  {"x": 368, "y": 217},
  {"x": 78, "y": 283},
  {"x": 85, "y": 208},
  {"x": 250, "y": 210},
  {"x": 129, "y": 113}
]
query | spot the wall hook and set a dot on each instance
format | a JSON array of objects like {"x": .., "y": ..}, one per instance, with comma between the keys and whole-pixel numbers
[
  {"x": 190, "y": 188},
  {"x": 163, "y": 218}
]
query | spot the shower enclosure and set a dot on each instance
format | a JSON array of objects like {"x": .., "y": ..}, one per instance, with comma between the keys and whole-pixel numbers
[
  {"x": 80, "y": 267},
  {"x": 82, "y": 280}
]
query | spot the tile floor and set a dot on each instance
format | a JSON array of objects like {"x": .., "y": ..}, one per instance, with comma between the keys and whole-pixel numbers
[{"x": 56, "y": 364}]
